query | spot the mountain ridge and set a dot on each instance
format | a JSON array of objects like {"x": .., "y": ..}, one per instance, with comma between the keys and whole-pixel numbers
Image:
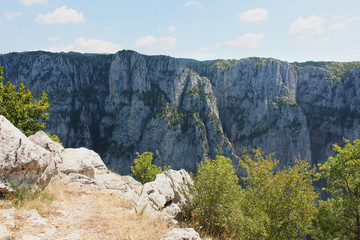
[{"x": 184, "y": 110}]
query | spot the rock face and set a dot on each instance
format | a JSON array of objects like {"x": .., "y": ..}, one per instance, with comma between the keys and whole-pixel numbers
[
  {"x": 182, "y": 234},
  {"x": 22, "y": 161},
  {"x": 125, "y": 103}
]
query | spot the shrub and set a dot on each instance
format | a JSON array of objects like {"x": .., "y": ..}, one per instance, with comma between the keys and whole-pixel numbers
[
  {"x": 211, "y": 198},
  {"x": 143, "y": 170}
]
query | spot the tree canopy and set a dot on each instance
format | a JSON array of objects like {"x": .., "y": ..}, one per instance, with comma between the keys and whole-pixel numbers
[{"x": 21, "y": 109}]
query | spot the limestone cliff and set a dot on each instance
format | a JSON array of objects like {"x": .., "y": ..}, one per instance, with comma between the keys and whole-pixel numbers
[{"x": 183, "y": 110}]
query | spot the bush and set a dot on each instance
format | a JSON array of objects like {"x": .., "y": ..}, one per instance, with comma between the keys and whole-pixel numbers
[
  {"x": 143, "y": 170},
  {"x": 212, "y": 196}
]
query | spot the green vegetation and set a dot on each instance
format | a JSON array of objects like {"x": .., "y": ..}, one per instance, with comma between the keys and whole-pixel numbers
[
  {"x": 212, "y": 196},
  {"x": 18, "y": 106},
  {"x": 25, "y": 193},
  {"x": 171, "y": 115},
  {"x": 338, "y": 71},
  {"x": 270, "y": 204},
  {"x": 143, "y": 170},
  {"x": 285, "y": 101},
  {"x": 224, "y": 65},
  {"x": 339, "y": 216}
]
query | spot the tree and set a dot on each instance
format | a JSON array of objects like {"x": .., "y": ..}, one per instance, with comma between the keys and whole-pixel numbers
[
  {"x": 339, "y": 216},
  {"x": 143, "y": 170},
  {"x": 275, "y": 204},
  {"x": 212, "y": 196},
  {"x": 19, "y": 107}
]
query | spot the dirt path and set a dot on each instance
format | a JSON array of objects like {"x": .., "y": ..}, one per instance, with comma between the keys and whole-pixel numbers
[{"x": 82, "y": 213}]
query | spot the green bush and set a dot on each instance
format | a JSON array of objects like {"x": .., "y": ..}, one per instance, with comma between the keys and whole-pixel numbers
[
  {"x": 211, "y": 198},
  {"x": 143, "y": 170}
]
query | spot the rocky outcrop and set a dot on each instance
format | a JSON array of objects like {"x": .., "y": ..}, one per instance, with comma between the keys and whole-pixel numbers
[
  {"x": 125, "y": 103},
  {"x": 182, "y": 234},
  {"x": 21, "y": 160}
]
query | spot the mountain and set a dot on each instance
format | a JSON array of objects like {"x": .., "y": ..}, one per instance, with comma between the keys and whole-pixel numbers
[{"x": 183, "y": 110}]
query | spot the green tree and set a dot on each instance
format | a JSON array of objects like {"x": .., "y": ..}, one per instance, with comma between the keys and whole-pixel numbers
[
  {"x": 19, "y": 107},
  {"x": 143, "y": 170},
  {"x": 275, "y": 204},
  {"x": 212, "y": 196},
  {"x": 339, "y": 216}
]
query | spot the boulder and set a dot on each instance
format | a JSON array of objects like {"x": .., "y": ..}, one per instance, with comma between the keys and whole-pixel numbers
[
  {"x": 81, "y": 161},
  {"x": 182, "y": 234},
  {"x": 43, "y": 140},
  {"x": 166, "y": 192},
  {"x": 21, "y": 160},
  {"x": 4, "y": 233}
]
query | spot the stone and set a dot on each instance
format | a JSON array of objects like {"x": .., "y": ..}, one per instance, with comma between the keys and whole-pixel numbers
[
  {"x": 166, "y": 192},
  {"x": 4, "y": 233},
  {"x": 42, "y": 139},
  {"x": 182, "y": 234},
  {"x": 81, "y": 161},
  {"x": 22, "y": 161}
]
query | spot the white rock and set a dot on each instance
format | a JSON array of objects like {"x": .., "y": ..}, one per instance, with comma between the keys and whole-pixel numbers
[
  {"x": 21, "y": 160},
  {"x": 43, "y": 140},
  {"x": 182, "y": 234},
  {"x": 82, "y": 161},
  {"x": 4, "y": 233},
  {"x": 29, "y": 237}
]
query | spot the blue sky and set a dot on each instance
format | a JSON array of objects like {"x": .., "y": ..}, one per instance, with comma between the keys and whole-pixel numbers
[{"x": 289, "y": 30}]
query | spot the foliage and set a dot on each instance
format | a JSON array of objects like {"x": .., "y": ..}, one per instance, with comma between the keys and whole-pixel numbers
[
  {"x": 54, "y": 137},
  {"x": 18, "y": 106},
  {"x": 224, "y": 65},
  {"x": 214, "y": 191},
  {"x": 24, "y": 193},
  {"x": 143, "y": 170},
  {"x": 340, "y": 215},
  {"x": 275, "y": 204},
  {"x": 270, "y": 205}
]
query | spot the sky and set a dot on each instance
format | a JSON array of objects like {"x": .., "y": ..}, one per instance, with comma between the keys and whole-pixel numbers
[{"x": 288, "y": 30}]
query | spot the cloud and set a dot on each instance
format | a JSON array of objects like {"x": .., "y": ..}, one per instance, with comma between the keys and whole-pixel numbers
[
  {"x": 28, "y": 3},
  {"x": 61, "y": 15},
  {"x": 312, "y": 40},
  {"x": 167, "y": 42},
  {"x": 218, "y": 45},
  {"x": 201, "y": 54},
  {"x": 338, "y": 26},
  {"x": 11, "y": 15},
  {"x": 249, "y": 40},
  {"x": 53, "y": 39},
  {"x": 150, "y": 43},
  {"x": 195, "y": 4},
  {"x": 352, "y": 19},
  {"x": 89, "y": 46},
  {"x": 254, "y": 15},
  {"x": 311, "y": 25},
  {"x": 146, "y": 42},
  {"x": 172, "y": 29}
]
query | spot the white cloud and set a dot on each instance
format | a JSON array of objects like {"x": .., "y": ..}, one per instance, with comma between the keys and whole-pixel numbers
[
  {"x": 311, "y": 25},
  {"x": 195, "y": 4},
  {"x": 89, "y": 46},
  {"x": 11, "y": 15},
  {"x": 150, "y": 43},
  {"x": 352, "y": 19},
  {"x": 146, "y": 42},
  {"x": 172, "y": 29},
  {"x": 254, "y": 15},
  {"x": 312, "y": 40},
  {"x": 201, "y": 54},
  {"x": 249, "y": 40},
  {"x": 53, "y": 39},
  {"x": 337, "y": 26},
  {"x": 61, "y": 15},
  {"x": 28, "y": 3},
  {"x": 218, "y": 45},
  {"x": 167, "y": 42}
]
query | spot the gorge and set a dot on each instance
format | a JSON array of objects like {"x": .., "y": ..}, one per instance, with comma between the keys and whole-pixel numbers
[{"x": 183, "y": 110}]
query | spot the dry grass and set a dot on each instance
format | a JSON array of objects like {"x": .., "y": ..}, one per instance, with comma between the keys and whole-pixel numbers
[{"x": 116, "y": 221}]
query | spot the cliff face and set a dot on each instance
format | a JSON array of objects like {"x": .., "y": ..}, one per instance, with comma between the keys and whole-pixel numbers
[{"x": 125, "y": 103}]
